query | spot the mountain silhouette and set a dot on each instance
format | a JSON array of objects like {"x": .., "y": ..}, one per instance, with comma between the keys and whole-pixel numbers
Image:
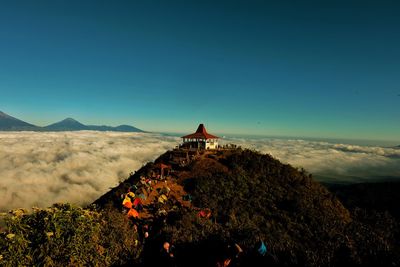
[
  {"x": 68, "y": 124},
  {"x": 9, "y": 123},
  {"x": 120, "y": 128}
]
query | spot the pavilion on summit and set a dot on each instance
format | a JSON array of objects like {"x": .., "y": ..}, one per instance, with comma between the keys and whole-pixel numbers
[{"x": 200, "y": 139}]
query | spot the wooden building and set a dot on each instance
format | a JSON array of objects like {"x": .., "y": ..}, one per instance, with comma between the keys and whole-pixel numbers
[{"x": 200, "y": 139}]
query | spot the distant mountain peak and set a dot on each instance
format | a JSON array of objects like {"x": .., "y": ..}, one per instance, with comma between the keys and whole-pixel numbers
[
  {"x": 9, "y": 123},
  {"x": 67, "y": 124},
  {"x": 70, "y": 119}
]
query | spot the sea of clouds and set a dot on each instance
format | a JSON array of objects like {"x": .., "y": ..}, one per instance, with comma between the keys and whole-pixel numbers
[
  {"x": 41, "y": 168},
  {"x": 332, "y": 163}
]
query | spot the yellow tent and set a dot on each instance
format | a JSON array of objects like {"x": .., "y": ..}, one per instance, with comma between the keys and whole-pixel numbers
[
  {"x": 127, "y": 203},
  {"x": 162, "y": 199}
]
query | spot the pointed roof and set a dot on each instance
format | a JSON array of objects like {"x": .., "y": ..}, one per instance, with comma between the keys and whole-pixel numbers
[{"x": 201, "y": 133}]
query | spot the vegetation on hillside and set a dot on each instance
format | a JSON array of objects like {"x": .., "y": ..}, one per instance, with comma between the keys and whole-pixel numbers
[
  {"x": 64, "y": 235},
  {"x": 255, "y": 197}
]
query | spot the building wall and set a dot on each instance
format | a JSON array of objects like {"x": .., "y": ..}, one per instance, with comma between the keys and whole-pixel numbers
[{"x": 211, "y": 144}]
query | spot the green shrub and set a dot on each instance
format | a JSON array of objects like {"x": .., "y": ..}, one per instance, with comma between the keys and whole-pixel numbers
[{"x": 64, "y": 235}]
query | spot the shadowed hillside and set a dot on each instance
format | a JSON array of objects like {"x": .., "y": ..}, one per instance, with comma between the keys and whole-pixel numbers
[
  {"x": 381, "y": 197},
  {"x": 250, "y": 198}
]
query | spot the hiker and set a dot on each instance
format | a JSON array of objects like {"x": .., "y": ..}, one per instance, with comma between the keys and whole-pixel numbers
[
  {"x": 261, "y": 255},
  {"x": 144, "y": 232},
  {"x": 167, "y": 255},
  {"x": 261, "y": 248},
  {"x": 235, "y": 250},
  {"x": 167, "y": 190},
  {"x": 225, "y": 263},
  {"x": 224, "y": 260},
  {"x": 164, "y": 190},
  {"x": 149, "y": 188},
  {"x": 187, "y": 197},
  {"x": 132, "y": 188},
  {"x": 230, "y": 255}
]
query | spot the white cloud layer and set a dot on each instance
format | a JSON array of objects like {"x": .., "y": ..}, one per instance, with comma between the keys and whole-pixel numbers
[
  {"x": 331, "y": 162},
  {"x": 38, "y": 169}
]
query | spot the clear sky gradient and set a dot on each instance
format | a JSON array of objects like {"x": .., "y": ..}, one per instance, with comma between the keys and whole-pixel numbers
[{"x": 290, "y": 68}]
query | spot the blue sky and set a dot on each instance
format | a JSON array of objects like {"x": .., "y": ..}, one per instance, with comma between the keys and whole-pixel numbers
[{"x": 291, "y": 68}]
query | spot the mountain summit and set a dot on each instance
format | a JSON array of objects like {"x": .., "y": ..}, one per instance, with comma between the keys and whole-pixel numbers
[
  {"x": 204, "y": 201},
  {"x": 67, "y": 124}
]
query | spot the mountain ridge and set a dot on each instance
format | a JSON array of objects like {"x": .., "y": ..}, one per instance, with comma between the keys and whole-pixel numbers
[{"x": 9, "y": 123}]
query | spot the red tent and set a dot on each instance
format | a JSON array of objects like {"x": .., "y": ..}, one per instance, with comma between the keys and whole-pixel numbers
[
  {"x": 206, "y": 213},
  {"x": 137, "y": 201}
]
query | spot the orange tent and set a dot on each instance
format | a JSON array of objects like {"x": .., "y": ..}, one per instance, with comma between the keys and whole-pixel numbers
[
  {"x": 133, "y": 213},
  {"x": 127, "y": 203}
]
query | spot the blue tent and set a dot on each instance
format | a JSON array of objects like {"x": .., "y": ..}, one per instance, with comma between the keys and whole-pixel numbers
[{"x": 262, "y": 250}]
